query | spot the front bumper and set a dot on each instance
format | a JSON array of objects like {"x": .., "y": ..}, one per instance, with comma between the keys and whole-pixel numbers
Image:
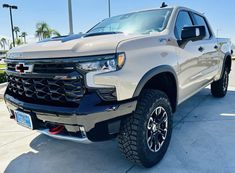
[
  {"x": 83, "y": 140},
  {"x": 100, "y": 120}
]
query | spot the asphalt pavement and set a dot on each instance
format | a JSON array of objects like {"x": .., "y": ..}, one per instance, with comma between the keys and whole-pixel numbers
[{"x": 203, "y": 140}]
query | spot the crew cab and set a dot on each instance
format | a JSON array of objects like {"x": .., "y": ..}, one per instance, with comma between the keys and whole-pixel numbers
[{"x": 124, "y": 78}]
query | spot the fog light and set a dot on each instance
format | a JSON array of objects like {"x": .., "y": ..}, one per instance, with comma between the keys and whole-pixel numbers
[{"x": 108, "y": 94}]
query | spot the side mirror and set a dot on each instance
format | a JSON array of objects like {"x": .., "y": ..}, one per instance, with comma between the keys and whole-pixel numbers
[{"x": 193, "y": 33}]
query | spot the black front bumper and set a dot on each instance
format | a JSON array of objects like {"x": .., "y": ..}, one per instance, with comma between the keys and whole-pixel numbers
[{"x": 100, "y": 119}]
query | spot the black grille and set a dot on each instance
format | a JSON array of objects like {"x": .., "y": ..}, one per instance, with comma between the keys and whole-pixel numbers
[
  {"x": 11, "y": 66},
  {"x": 47, "y": 68},
  {"x": 47, "y": 91},
  {"x": 54, "y": 68}
]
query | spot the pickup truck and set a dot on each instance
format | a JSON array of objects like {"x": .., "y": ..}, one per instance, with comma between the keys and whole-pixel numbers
[{"x": 124, "y": 78}]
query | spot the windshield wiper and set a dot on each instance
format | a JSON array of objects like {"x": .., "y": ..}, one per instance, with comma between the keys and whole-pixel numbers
[{"x": 100, "y": 33}]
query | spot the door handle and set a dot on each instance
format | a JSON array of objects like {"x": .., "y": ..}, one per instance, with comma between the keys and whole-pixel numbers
[{"x": 201, "y": 49}]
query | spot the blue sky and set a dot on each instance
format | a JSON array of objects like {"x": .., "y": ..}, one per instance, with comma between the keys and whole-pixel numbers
[{"x": 87, "y": 13}]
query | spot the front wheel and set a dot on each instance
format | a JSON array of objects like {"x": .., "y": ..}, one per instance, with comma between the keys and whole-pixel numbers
[
  {"x": 220, "y": 87},
  {"x": 145, "y": 135}
]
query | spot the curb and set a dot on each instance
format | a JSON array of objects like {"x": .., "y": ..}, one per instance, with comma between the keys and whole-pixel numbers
[
  {"x": 231, "y": 88},
  {"x": 3, "y": 87}
]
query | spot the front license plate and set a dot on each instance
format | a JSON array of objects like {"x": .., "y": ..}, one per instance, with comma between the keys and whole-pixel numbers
[{"x": 24, "y": 119}]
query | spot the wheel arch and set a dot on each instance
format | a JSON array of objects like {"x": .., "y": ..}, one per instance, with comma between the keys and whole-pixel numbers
[
  {"x": 227, "y": 62},
  {"x": 161, "y": 73}
]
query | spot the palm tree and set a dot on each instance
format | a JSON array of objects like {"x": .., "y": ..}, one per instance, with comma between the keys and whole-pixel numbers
[
  {"x": 16, "y": 29},
  {"x": 44, "y": 31},
  {"x": 24, "y": 34},
  {"x": 10, "y": 45},
  {"x": 3, "y": 43},
  {"x": 55, "y": 33},
  {"x": 19, "y": 41}
]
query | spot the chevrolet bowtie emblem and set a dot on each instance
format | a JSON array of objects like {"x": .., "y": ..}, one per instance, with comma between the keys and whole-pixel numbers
[{"x": 23, "y": 68}]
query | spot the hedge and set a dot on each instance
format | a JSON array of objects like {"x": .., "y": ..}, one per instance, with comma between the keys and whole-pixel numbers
[{"x": 3, "y": 77}]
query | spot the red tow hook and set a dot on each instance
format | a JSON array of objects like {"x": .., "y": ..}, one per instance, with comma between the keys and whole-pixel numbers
[{"x": 56, "y": 130}]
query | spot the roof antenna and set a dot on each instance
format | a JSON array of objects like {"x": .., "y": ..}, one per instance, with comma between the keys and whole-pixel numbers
[{"x": 164, "y": 5}]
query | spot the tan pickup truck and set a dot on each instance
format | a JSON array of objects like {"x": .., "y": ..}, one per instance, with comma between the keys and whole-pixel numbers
[{"x": 124, "y": 78}]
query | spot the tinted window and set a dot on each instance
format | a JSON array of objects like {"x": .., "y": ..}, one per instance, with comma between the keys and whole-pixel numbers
[
  {"x": 139, "y": 22},
  {"x": 183, "y": 20},
  {"x": 199, "y": 20}
]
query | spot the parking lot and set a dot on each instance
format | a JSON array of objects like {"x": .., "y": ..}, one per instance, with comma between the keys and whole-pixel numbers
[{"x": 203, "y": 141}]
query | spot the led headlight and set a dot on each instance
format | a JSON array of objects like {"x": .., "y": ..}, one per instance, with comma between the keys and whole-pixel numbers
[{"x": 105, "y": 63}]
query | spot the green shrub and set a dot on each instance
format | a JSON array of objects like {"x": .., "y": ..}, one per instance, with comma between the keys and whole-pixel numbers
[{"x": 3, "y": 77}]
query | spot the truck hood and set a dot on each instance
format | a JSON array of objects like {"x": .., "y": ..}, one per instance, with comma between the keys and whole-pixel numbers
[{"x": 70, "y": 46}]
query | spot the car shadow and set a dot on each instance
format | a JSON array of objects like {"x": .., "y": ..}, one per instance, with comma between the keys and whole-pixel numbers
[{"x": 51, "y": 155}]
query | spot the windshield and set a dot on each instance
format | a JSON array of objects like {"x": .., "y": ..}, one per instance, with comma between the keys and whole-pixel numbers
[{"x": 139, "y": 22}]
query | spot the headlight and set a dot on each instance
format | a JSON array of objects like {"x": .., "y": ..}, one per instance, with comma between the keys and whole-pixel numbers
[{"x": 105, "y": 63}]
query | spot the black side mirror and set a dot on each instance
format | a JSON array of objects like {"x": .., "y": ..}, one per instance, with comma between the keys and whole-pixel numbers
[{"x": 193, "y": 33}]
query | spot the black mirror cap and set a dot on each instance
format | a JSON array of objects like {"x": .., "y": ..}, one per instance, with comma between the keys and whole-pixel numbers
[{"x": 193, "y": 33}]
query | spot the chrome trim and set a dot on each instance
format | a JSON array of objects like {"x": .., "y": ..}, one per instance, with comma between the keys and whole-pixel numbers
[
  {"x": 43, "y": 75},
  {"x": 76, "y": 59},
  {"x": 83, "y": 140}
]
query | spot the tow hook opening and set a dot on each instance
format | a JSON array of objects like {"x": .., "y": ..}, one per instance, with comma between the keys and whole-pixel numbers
[
  {"x": 64, "y": 130},
  {"x": 61, "y": 132},
  {"x": 56, "y": 130}
]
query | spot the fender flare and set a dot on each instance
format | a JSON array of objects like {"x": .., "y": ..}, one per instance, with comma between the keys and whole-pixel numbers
[
  {"x": 227, "y": 55},
  {"x": 153, "y": 72}
]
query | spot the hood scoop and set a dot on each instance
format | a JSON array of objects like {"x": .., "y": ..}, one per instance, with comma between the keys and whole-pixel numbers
[
  {"x": 67, "y": 38},
  {"x": 100, "y": 33},
  {"x": 63, "y": 38}
]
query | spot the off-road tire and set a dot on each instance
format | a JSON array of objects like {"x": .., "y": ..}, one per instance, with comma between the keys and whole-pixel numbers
[
  {"x": 219, "y": 88},
  {"x": 132, "y": 138}
]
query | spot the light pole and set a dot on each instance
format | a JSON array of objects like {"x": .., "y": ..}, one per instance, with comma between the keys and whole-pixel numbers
[
  {"x": 70, "y": 17},
  {"x": 109, "y": 6},
  {"x": 10, "y": 8}
]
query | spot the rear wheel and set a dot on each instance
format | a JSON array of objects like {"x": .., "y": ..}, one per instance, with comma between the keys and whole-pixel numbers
[
  {"x": 220, "y": 87},
  {"x": 145, "y": 135}
]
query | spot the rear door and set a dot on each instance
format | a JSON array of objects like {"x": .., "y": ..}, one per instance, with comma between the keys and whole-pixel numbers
[
  {"x": 194, "y": 58},
  {"x": 209, "y": 60},
  {"x": 189, "y": 69}
]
